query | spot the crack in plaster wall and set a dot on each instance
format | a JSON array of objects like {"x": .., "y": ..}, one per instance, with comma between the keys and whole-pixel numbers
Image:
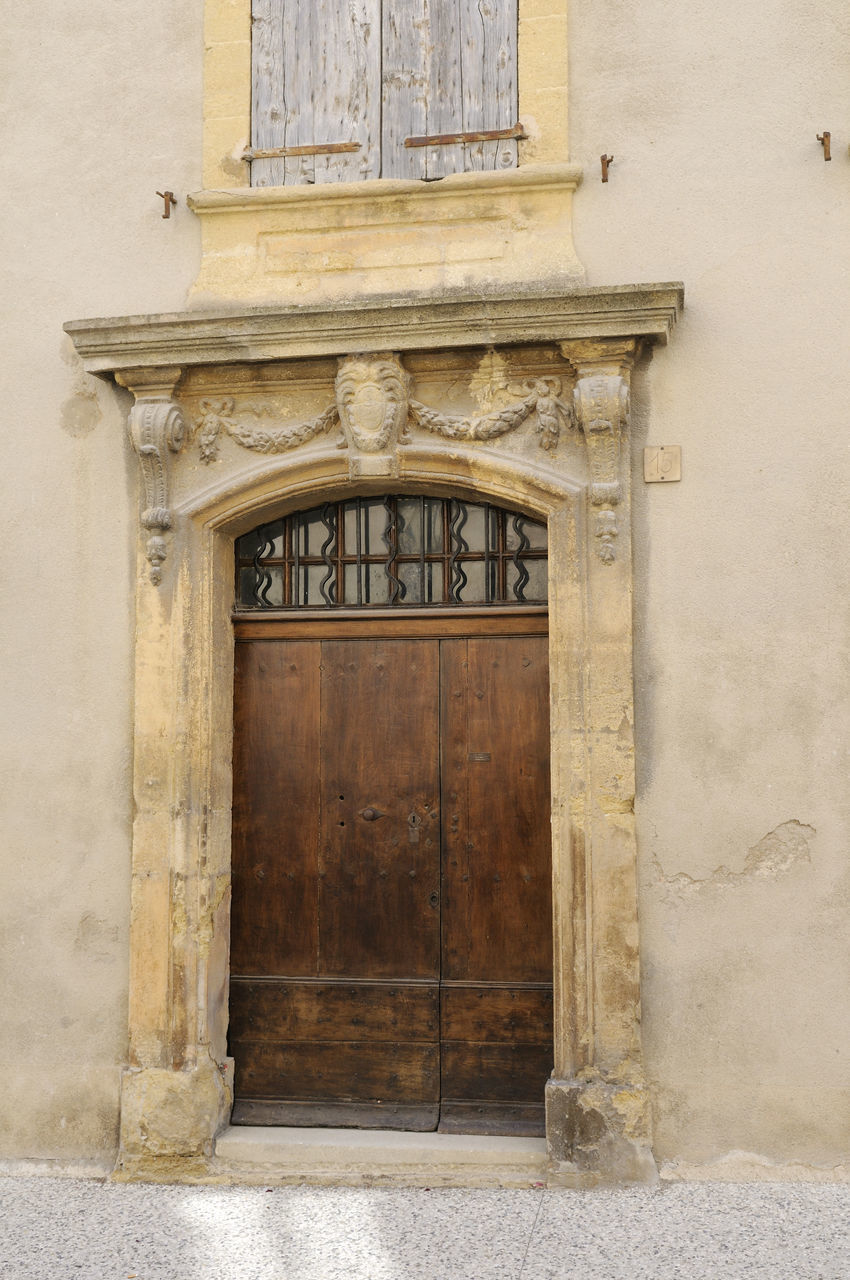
[{"x": 781, "y": 849}]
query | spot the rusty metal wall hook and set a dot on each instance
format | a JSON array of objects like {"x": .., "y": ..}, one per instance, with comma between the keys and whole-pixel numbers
[
  {"x": 824, "y": 139},
  {"x": 170, "y": 199},
  {"x": 606, "y": 160}
]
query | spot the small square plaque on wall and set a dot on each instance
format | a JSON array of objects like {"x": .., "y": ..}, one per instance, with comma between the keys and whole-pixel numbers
[{"x": 662, "y": 462}]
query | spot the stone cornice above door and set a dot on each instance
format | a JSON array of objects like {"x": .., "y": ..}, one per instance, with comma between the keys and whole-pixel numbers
[
  {"x": 202, "y": 364},
  {"x": 592, "y": 337},
  {"x": 411, "y": 322}
]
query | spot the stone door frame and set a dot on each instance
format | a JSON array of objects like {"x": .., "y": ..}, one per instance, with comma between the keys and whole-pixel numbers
[{"x": 176, "y": 1089}]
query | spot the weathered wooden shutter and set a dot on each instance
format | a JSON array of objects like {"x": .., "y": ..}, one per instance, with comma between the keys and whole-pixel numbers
[
  {"x": 449, "y": 66},
  {"x": 316, "y": 81},
  {"x": 376, "y": 72}
]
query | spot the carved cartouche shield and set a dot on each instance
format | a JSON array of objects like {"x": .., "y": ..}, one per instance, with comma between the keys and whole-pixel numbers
[{"x": 371, "y": 396}]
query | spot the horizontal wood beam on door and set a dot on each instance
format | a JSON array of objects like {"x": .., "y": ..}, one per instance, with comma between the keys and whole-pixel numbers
[{"x": 331, "y": 625}]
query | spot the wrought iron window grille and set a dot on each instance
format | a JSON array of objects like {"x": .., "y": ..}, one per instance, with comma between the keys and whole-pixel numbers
[{"x": 393, "y": 551}]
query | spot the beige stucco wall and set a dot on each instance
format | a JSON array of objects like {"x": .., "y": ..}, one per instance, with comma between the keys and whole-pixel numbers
[
  {"x": 741, "y": 570},
  {"x": 103, "y": 109}
]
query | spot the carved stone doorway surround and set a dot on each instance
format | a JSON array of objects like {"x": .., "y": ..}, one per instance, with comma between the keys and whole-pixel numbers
[{"x": 242, "y": 414}]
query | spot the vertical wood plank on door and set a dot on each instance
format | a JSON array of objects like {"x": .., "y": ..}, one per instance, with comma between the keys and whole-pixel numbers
[
  {"x": 497, "y": 862},
  {"x": 346, "y": 46},
  {"x": 274, "y": 922},
  {"x": 404, "y": 87},
  {"x": 379, "y": 909},
  {"x": 496, "y": 1037},
  {"x": 488, "y": 78}
]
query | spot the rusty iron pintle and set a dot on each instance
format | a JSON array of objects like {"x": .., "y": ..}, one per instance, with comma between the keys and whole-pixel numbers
[{"x": 170, "y": 199}]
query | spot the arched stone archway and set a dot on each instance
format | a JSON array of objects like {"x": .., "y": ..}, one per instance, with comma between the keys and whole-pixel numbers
[{"x": 478, "y": 403}]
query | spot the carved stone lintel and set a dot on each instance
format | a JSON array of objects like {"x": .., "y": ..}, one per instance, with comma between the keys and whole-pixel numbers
[
  {"x": 157, "y": 429},
  {"x": 601, "y": 399},
  {"x": 374, "y": 411}
]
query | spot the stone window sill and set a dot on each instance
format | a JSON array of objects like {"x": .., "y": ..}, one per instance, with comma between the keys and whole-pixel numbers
[{"x": 363, "y": 239}]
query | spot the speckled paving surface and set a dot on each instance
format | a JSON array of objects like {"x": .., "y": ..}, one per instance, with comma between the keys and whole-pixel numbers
[{"x": 58, "y": 1228}]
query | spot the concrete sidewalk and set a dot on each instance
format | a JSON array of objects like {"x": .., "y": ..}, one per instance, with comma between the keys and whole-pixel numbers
[{"x": 63, "y": 1228}]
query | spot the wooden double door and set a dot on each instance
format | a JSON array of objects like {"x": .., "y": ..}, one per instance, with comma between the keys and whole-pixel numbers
[{"x": 391, "y": 953}]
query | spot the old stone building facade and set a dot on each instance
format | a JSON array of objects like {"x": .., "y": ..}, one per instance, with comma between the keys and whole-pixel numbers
[{"x": 643, "y": 353}]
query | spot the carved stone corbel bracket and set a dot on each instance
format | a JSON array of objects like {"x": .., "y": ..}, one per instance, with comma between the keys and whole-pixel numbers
[
  {"x": 601, "y": 399},
  {"x": 157, "y": 429}
]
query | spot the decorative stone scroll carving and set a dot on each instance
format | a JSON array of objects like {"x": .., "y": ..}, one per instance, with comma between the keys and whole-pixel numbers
[
  {"x": 601, "y": 399},
  {"x": 602, "y": 407},
  {"x": 157, "y": 429}
]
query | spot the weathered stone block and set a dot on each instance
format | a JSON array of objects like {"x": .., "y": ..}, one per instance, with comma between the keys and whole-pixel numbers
[
  {"x": 598, "y": 1131},
  {"x": 172, "y": 1113}
]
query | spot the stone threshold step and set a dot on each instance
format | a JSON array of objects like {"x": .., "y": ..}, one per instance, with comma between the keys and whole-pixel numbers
[{"x": 369, "y": 1156}]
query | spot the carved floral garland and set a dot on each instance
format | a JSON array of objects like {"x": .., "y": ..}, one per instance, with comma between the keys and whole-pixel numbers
[
  {"x": 542, "y": 399},
  {"x": 217, "y": 416}
]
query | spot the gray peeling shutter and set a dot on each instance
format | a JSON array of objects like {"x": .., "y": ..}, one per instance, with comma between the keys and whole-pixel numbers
[
  {"x": 449, "y": 66},
  {"x": 316, "y": 68},
  {"x": 376, "y": 72}
]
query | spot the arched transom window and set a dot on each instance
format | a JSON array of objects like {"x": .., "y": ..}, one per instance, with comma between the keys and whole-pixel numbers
[{"x": 394, "y": 551}]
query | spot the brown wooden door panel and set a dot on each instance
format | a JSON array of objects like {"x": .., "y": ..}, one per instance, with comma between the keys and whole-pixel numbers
[
  {"x": 496, "y": 1043},
  {"x": 421, "y": 1118},
  {"x": 274, "y": 923},
  {"x": 504, "y": 1015},
  {"x": 379, "y": 871},
  {"x": 519, "y": 1119},
  {"x": 355, "y": 760},
  {"x": 494, "y": 1072},
  {"x": 280, "y": 1010},
  {"x": 497, "y": 893},
  {"x": 344, "y": 1071}
]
